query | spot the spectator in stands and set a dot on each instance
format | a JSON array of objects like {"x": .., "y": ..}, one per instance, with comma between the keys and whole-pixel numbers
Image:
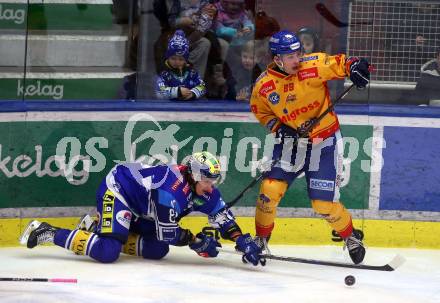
[
  {"x": 428, "y": 85},
  {"x": 178, "y": 81},
  {"x": 309, "y": 40},
  {"x": 243, "y": 74},
  {"x": 127, "y": 90},
  {"x": 195, "y": 18},
  {"x": 233, "y": 24},
  {"x": 265, "y": 27}
]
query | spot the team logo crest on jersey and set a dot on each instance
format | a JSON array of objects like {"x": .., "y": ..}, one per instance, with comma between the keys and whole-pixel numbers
[
  {"x": 274, "y": 98},
  {"x": 290, "y": 98}
]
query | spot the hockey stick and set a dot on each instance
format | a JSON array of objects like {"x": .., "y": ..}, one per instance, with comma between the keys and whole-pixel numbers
[
  {"x": 397, "y": 261},
  {"x": 327, "y": 14},
  {"x": 302, "y": 134},
  {"x": 390, "y": 266},
  {"x": 54, "y": 280}
]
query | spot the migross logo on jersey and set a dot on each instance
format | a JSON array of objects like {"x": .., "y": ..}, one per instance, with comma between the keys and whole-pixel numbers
[
  {"x": 274, "y": 98},
  {"x": 319, "y": 184},
  {"x": 308, "y": 73},
  {"x": 267, "y": 88},
  {"x": 299, "y": 111}
]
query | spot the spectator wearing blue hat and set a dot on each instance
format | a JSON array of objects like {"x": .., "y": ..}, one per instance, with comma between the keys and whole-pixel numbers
[{"x": 178, "y": 80}]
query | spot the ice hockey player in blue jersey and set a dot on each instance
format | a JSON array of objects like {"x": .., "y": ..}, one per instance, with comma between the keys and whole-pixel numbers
[
  {"x": 138, "y": 211},
  {"x": 178, "y": 81}
]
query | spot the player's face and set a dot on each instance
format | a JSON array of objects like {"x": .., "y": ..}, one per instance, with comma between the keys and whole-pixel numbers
[
  {"x": 204, "y": 187},
  {"x": 177, "y": 62},
  {"x": 290, "y": 62}
]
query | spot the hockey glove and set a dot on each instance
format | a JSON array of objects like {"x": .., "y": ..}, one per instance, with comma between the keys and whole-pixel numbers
[
  {"x": 251, "y": 251},
  {"x": 205, "y": 246},
  {"x": 286, "y": 132},
  {"x": 359, "y": 72}
]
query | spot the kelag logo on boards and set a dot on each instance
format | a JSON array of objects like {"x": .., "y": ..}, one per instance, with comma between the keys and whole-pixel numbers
[
  {"x": 10, "y": 14},
  {"x": 40, "y": 89}
]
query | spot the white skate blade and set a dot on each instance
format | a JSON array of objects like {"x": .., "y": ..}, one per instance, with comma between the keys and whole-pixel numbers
[
  {"x": 27, "y": 231},
  {"x": 85, "y": 223}
]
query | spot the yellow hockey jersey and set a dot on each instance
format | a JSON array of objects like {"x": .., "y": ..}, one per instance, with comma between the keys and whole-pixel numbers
[{"x": 295, "y": 100}]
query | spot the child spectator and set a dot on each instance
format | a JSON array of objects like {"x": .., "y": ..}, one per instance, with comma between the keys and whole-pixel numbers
[
  {"x": 309, "y": 40},
  {"x": 243, "y": 75},
  {"x": 233, "y": 24},
  {"x": 194, "y": 19},
  {"x": 178, "y": 81}
]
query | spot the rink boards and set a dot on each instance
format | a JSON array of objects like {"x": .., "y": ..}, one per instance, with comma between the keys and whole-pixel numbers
[{"x": 391, "y": 168}]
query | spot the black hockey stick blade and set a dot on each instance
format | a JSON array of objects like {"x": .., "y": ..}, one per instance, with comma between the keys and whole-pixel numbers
[
  {"x": 397, "y": 261},
  {"x": 328, "y": 15},
  {"x": 53, "y": 280},
  {"x": 324, "y": 12}
]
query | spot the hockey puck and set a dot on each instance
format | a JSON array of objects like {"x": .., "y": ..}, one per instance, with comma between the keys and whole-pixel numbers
[{"x": 349, "y": 280}]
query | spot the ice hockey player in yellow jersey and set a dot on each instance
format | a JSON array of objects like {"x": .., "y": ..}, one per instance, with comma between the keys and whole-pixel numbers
[{"x": 286, "y": 99}]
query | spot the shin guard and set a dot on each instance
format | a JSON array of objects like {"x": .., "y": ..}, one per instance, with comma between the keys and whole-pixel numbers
[
  {"x": 336, "y": 215},
  {"x": 271, "y": 192}
]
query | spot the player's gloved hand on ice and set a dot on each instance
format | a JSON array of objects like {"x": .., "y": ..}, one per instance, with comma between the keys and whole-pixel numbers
[
  {"x": 251, "y": 251},
  {"x": 205, "y": 246},
  {"x": 359, "y": 72},
  {"x": 286, "y": 132}
]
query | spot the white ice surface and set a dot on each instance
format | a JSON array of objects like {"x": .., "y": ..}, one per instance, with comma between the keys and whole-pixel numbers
[{"x": 185, "y": 277}]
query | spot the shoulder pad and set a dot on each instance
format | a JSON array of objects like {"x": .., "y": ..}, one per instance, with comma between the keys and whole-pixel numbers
[{"x": 261, "y": 76}]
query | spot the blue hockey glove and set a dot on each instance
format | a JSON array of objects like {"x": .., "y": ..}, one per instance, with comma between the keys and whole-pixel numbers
[
  {"x": 359, "y": 72},
  {"x": 251, "y": 251},
  {"x": 205, "y": 246},
  {"x": 285, "y": 132}
]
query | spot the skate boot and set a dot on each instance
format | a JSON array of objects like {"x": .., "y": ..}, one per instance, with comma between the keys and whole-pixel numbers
[
  {"x": 87, "y": 223},
  {"x": 355, "y": 247},
  {"x": 262, "y": 242},
  {"x": 37, "y": 233}
]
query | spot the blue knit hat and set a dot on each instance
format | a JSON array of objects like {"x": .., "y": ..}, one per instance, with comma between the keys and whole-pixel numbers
[{"x": 178, "y": 45}]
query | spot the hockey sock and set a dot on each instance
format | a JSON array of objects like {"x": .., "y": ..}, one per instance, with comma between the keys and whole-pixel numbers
[
  {"x": 336, "y": 215},
  {"x": 137, "y": 245},
  {"x": 271, "y": 192},
  {"x": 81, "y": 242}
]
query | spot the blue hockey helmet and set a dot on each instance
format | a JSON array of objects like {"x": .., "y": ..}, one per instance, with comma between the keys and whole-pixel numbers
[
  {"x": 284, "y": 42},
  {"x": 203, "y": 166},
  {"x": 178, "y": 45}
]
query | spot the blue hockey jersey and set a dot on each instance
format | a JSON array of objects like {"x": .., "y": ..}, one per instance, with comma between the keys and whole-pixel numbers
[{"x": 161, "y": 193}]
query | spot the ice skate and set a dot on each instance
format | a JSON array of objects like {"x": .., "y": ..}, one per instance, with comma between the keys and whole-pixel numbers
[
  {"x": 87, "y": 223},
  {"x": 262, "y": 242},
  {"x": 355, "y": 247},
  {"x": 37, "y": 233}
]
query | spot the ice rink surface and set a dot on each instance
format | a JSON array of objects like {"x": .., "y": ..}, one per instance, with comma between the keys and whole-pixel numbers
[{"x": 185, "y": 277}]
